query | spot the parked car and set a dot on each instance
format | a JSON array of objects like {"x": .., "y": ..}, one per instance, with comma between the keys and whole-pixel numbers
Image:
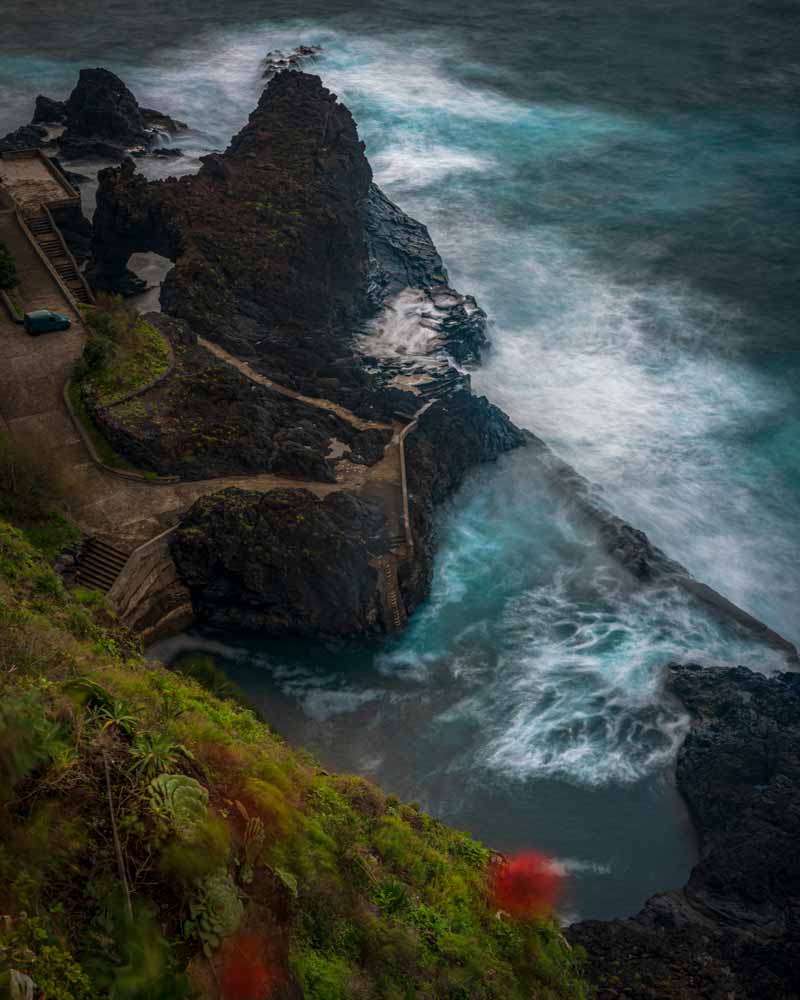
[{"x": 45, "y": 321}]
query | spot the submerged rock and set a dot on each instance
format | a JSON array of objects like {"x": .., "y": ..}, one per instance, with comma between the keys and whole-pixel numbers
[{"x": 734, "y": 929}]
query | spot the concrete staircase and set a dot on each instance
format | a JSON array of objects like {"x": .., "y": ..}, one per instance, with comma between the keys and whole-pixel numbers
[
  {"x": 100, "y": 564},
  {"x": 55, "y": 249}
]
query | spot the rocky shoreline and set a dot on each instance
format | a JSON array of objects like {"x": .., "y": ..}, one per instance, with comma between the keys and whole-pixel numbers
[
  {"x": 284, "y": 251},
  {"x": 733, "y": 931}
]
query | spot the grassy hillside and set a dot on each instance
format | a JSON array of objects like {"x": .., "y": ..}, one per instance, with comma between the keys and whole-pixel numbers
[{"x": 157, "y": 841}]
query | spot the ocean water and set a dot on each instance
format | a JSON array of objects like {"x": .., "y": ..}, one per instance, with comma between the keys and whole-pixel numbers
[{"x": 617, "y": 184}]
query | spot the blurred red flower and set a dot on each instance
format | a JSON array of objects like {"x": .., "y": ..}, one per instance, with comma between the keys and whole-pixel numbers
[
  {"x": 526, "y": 885},
  {"x": 245, "y": 974}
]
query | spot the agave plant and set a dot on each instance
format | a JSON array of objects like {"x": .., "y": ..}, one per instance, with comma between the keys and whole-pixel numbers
[
  {"x": 180, "y": 804},
  {"x": 116, "y": 715},
  {"x": 155, "y": 753},
  {"x": 215, "y": 911}
]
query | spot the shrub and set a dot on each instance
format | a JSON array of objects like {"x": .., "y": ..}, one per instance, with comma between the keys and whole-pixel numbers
[
  {"x": 123, "y": 353},
  {"x": 8, "y": 269},
  {"x": 28, "y": 490}
]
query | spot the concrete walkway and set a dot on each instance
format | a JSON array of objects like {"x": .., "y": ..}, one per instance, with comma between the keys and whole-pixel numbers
[
  {"x": 383, "y": 481},
  {"x": 320, "y": 404}
]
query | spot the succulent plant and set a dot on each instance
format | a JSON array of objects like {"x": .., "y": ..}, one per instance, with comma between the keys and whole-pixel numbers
[
  {"x": 180, "y": 804},
  {"x": 215, "y": 911}
]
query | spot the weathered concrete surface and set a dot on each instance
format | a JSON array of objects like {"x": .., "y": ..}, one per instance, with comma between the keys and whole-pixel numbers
[{"x": 33, "y": 182}]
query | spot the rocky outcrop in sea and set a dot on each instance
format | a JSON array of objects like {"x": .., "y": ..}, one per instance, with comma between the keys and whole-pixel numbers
[
  {"x": 733, "y": 931},
  {"x": 101, "y": 119}
]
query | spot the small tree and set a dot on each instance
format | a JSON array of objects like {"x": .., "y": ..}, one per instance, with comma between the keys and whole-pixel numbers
[{"x": 8, "y": 269}]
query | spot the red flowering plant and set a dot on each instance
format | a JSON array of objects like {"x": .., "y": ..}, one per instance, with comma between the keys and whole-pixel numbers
[{"x": 526, "y": 885}]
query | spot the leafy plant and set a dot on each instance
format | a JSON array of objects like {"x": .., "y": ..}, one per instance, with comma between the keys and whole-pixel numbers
[
  {"x": 215, "y": 912},
  {"x": 116, "y": 715},
  {"x": 27, "y": 738},
  {"x": 180, "y": 804},
  {"x": 155, "y": 753},
  {"x": 288, "y": 880},
  {"x": 392, "y": 897}
]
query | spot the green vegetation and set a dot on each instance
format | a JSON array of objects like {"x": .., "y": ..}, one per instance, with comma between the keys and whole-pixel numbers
[
  {"x": 151, "y": 832},
  {"x": 123, "y": 353},
  {"x": 104, "y": 450},
  {"x": 31, "y": 499},
  {"x": 8, "y": 269}
]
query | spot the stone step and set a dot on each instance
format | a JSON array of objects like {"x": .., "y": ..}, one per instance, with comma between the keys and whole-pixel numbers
[{"x": 100, "y": 564}]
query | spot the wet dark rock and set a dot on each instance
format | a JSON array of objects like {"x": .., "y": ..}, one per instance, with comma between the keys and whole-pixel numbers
[
  {"x": 76, "y": 230},
  {"x": 734, "y": 929},
  {"x": 49, "y": 112},
  {"x": 101, "y": 115},
  {"x": 104, "y": 120},
  {"x": 25, "y": 137},
  {"x": 277, "y": 61},
  {"x": 402, "y": 255},
  {"x": 167, "y": 152},
  {"x": 266, "y": 238},
  {"x": 125, "y": 283},
  {"x": 160, "y": 122},
  {"x": 284, "y": 562}
]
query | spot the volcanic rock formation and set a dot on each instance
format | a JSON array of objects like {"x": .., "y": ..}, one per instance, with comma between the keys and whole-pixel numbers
[{"x": 734, "y": 929}]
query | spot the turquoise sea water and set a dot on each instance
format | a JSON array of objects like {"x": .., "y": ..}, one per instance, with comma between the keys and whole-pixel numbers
[{"x": 617, "y": 185}]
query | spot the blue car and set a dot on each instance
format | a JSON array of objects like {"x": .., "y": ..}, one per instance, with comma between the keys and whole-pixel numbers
[{"x": 45, "y": 321}]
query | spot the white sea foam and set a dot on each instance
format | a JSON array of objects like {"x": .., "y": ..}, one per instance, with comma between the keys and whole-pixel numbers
[
  {"x": 415, "y": 163},
  {"x": 575, "y": 866},
  {"x": 407, "y": 327}
]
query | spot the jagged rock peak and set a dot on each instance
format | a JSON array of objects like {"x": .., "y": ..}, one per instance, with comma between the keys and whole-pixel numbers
[
  {"x": 296, "y": 114},
  {"x": 101, "y": 105}
]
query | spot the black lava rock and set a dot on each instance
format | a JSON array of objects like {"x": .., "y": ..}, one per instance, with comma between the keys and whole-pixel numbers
[
  {"x": 49, "y": 112},
  {"x": 734, "y": 929},
  {"x": 284, "y": 562}
]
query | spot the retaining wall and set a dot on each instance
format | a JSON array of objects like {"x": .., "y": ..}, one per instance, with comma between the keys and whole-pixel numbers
[{"x": 147, "y": 595}]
